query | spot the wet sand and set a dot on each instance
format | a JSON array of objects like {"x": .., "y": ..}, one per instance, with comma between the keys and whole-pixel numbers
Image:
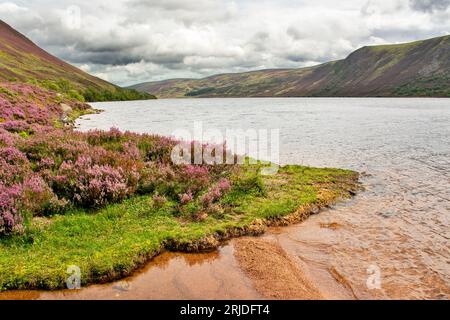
[{"x": 273, "y": 272}]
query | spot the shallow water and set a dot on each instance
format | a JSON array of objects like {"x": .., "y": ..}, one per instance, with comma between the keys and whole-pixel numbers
[
  {"x": 396, "y": 231},
  {"x": 171, "y": 276}
]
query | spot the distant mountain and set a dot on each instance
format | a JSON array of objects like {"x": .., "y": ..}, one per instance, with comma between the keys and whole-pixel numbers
[
  {"x": 23, "y": 61},
  {"x": 419, "y": 68}
]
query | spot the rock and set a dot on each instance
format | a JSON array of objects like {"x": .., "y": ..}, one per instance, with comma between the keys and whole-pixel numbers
[{"x": 66, "y": 108}]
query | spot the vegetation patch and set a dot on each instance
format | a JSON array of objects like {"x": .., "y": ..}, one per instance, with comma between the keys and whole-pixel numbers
[
  {"x": 432, "y": 86},
  {"x": 112, "y": 242},
  {"x": 91, "y": 94},
  {"x": 199, "y": 92}
]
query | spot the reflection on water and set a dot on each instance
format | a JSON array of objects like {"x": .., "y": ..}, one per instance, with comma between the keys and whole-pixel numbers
[
  {"x": 168, "y": 276},
  {"x": 400, "y": 224}
]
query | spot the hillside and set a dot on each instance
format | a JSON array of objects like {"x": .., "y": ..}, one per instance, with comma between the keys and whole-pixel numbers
[
  {"x": 419, "y": 68},
  {"x": 24, "y": 62}
]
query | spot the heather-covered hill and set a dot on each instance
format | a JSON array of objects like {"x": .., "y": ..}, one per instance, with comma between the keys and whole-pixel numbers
[
  {"x": 23, "y": 61},
  {"x": 419, "y": 68}
]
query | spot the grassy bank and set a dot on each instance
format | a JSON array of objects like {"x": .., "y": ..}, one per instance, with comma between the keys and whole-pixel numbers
[{"x": 112, "y": 242}]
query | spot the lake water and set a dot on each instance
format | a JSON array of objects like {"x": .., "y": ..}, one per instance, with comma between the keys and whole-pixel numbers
[{"x": 397, "y": 230}]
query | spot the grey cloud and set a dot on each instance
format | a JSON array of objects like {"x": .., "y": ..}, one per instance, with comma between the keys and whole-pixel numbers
[
  {"x": 295, "y": 33},
  {"x": 259, "y": 41},
  {"x": 399, "y": 34},
  {"x": 297, "y": 58},
  {"x": 130, "y": 41},
  {"x": 184, "y": 12},
  {"x": 103, "y": 58},
  {"x": 172, "y": 5},
  {"x": 429, "y": 5}
]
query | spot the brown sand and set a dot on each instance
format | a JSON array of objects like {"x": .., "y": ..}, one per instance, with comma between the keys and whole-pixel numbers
[{"x": 273, "y": 272}]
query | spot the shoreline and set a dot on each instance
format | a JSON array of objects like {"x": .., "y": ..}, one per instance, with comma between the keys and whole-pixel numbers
[{"x": 210, "y": 242}]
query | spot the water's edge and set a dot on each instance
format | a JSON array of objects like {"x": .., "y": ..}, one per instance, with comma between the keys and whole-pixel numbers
[{"x": 205, "y": 245}]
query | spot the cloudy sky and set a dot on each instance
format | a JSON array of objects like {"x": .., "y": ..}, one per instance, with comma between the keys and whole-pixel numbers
[{"x": 131, "y": 41}]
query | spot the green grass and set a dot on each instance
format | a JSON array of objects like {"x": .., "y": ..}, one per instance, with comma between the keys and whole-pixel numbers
[
  {"x": 434, "y": 86},
  {"x": 199, "y": 92},
  {"x": 71, "y": 90},
  {"x": 7, "y": 92},
  {"x": 115, "y": 241}
]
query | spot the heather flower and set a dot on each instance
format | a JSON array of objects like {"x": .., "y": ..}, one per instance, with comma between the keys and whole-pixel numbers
[
  {"x": 15, "y": 126},
  {"x": 211, "y": 196},
  {"x": 224, "y": 185},
  {"x": 48, "y": 170},
  {"x": 89, "y": 184},
  {"x": 158, "y": 149},
  {"x": 46, "y": 163},
  {"x": 114, "y": 133},
  {"x": 6, "y": 138},
  {"x": 57, "y": 206},
  {"x": 10, "y": 219},
  {"x": 196, "y": 178},
  {"x": 186, "y": 198},
  {"x": 12, "y": 156},
  {"x": 195, "y": 172},
  {"x": 216, "y": 192},
  {"x": 14, "y": 166},
  {"x": 21, "y": 107},
  {"x": 100, "y": 137},
  {"x": 131, "y": 150},
  {"x": 36, "y": 195}
]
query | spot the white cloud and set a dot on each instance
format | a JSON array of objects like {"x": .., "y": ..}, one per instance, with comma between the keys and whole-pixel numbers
[
  {"x": 130, "y": 41},
  {"x": 11, "y": 8}
]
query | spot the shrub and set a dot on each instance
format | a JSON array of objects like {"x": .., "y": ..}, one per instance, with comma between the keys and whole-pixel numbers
[
  {"x": 6, "y": 138},
  {"x": 131, "y": 151},
  {"x": 250, "y": 183},
  {"x": 194, "y": 178},
  {"x": 159, "y": 201},
  {"x": 14, "y": 166},
  {"x": 186, "y": 198},
  {"x": 216, "y": 192},
  {"x": 11, "y": 221},
  {"x": 158, "y": 149},
  {"x": 37, "y": 197},
  {"x": 15, "y": 126},
  {"x": 73, "y": 94},
  {"x": 46, "y": 170},
  {"x": 26, "y": 104},
  {"x": 90, "y": 185},
  {"x": 118, "y": 94},
  {"x": 158, "y": 177}
]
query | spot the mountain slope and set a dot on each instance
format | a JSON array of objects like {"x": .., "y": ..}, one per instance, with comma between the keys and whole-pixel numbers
[
  {"x": 419, "y": 68},
  {"x": 23, "y": 61}
]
